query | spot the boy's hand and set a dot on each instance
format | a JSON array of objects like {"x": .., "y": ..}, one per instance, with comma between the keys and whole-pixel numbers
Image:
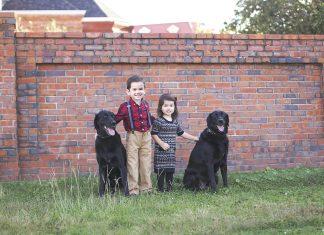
[{"x": 165, "y": 146}]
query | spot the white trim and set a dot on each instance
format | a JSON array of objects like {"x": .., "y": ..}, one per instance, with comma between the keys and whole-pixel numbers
[
  {"x": 97, "y": 19},
  {"x": 48, "y": 12}
]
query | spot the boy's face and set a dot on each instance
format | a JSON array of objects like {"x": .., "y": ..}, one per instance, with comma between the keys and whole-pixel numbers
[{"x": 136, "y": 91}]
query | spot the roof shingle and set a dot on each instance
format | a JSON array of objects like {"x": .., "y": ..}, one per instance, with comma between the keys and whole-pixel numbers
[{"x": 91, "y": 7}]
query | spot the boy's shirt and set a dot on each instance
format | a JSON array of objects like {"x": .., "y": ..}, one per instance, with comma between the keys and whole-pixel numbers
[{"x": 139, "y": 115}]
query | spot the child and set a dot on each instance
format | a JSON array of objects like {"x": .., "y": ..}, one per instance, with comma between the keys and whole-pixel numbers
[
  {"x": 164, "y": 131},
  {"x": 137, "y": 122}
]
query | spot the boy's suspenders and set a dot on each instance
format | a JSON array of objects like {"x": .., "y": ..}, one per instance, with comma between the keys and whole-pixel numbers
[{"x": 131, "y": 117}]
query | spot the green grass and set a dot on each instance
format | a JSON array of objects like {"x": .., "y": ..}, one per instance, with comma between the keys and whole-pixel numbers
[{"x": 269, "y": 202}]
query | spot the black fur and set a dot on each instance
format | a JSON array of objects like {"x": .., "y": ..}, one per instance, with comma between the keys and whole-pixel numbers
[
  {"x": 209, "y": 154},
  {"x": 111, "y": 154}
]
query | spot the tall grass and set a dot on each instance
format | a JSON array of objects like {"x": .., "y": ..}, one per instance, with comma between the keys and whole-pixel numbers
[{"x": 272, "y": 201}]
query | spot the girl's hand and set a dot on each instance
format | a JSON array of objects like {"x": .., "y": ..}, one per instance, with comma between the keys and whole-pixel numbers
[{"x": 165, "y": 146}]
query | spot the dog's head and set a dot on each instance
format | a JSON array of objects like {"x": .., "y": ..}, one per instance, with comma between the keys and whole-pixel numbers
[
  {"x": 218, "y": 121},
  {"x": 104, "y": 123}
]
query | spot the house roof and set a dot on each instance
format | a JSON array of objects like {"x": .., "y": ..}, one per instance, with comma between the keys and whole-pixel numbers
[
  {"x": 91, "y": 7},
  {"x": 177, "y": 27}
]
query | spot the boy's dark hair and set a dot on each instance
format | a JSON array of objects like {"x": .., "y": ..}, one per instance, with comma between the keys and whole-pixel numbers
[
  {"x": 132, "y": 79},
  {"x": 167, "y": 97}
]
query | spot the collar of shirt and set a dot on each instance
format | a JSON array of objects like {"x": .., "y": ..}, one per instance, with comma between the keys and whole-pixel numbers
[
  {"x": 133, "y": 103},
  {"x": 141, "y": 105}
]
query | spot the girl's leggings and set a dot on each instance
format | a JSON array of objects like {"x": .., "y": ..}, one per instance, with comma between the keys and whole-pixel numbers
[{"x": 168, "y": 176}]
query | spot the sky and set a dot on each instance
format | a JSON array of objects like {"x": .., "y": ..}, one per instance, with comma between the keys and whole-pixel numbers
[{"x": 212, "y": 13}]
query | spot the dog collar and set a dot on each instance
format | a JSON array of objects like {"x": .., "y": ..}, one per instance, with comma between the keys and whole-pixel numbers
[
  {"x": 101, "y": 137},
  {"x": 211, "y": 131}
]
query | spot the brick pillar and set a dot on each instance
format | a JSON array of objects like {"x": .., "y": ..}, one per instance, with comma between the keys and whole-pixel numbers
[{"x": 9, "y": 160}]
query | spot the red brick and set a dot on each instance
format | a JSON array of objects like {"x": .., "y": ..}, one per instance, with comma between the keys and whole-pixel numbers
[
  {"x": 256, "y": 36},
  {"x": 305, "y": 36},
  {"x": 273, "y": 36},
  {"x": 222, "y": 36},
  {"x": 240, "y": 36},
  {"x": 9, "y": 14},
  {"x": 34, "y": 34}
]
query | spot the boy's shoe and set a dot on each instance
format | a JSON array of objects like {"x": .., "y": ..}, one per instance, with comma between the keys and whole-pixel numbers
[{"x": 147, "y": 191}]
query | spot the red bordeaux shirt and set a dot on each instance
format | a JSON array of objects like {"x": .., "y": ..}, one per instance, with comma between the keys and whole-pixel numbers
[{"x": 139, "y": 114}]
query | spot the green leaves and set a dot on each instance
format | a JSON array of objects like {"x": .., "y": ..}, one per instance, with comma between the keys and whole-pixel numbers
[{"x": 277, "y": 17}]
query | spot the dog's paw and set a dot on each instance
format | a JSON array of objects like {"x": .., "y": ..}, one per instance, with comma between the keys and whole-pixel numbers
[{"x": 213, "y": 190}]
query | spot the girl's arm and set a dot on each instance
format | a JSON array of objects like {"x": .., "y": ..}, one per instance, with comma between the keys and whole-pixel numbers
[
  {"x": 189, "y": 137},
  {"x": 163, "y": 145}
]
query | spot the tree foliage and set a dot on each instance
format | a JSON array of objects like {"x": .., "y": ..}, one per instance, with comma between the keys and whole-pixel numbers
[{"x": 278, "y": 17}]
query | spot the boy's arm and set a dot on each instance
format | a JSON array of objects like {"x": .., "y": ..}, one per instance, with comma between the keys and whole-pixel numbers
[
  {"x": 189, "y": 137},
  {"x": 151, "y": 116},
  {"x": 122, "y": 111},
  {"x": 163, "y": 145}
]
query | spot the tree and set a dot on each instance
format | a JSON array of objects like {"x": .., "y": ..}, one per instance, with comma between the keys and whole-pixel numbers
[{"x": 278, "y": 17}]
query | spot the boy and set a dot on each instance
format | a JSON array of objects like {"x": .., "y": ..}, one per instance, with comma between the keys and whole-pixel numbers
[{"x": 137, "y": 122}]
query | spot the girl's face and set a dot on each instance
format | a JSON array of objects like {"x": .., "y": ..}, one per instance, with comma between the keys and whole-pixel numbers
[{"x": 168, "y": 107}]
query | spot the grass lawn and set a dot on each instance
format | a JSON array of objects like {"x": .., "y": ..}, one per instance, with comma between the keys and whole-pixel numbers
[{"x": 268, "y": 202}]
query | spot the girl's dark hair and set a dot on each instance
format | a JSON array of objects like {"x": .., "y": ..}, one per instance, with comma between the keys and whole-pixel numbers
[{"x": 167, "y": 97}]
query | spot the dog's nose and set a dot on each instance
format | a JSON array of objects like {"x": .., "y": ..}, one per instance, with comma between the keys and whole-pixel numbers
[{"x": 221, "y": 121}]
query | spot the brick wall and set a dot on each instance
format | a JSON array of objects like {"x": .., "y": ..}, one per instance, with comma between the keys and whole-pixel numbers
[
  {"x": 271, "y": 86},
  {"x": 8, "y": 118}
]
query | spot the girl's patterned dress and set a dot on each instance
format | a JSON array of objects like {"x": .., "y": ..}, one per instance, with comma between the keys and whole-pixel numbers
[{"x": 167, "y": 132}]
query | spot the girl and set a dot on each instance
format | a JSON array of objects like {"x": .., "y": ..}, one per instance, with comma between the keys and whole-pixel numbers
[{"x": 164, "y": 131}]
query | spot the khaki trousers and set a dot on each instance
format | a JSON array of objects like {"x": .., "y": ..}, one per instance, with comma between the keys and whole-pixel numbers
[{"x": 139, "y": 160}]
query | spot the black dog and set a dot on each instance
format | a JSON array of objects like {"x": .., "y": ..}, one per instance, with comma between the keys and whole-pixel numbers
[
  {"x": 111, "y": 153},
  {"x": 209, "y": 154}
]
